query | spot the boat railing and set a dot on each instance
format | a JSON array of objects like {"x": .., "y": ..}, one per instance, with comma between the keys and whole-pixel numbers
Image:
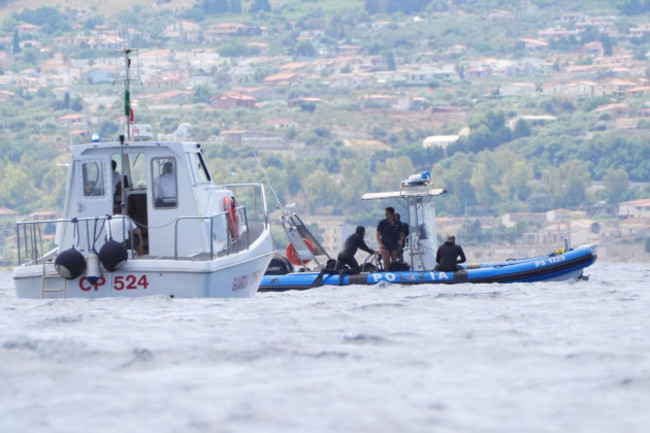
[
  {"x": 233, "y": 243},
  {"x": 254, "y": 196},
  {"x": 30, "y": 236},
  {"x": 32, "y": 242}
]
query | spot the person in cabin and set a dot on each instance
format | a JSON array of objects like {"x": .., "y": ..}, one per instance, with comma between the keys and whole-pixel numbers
[
  {"x": 353, "y": 243},
  {"x": 121, "y": 228},
  {"x": 165, "y": 186},
  {"x": 448, "y": 254},
  {"x": 389, "y": 237},
  {"x": 117, "y": 183}
]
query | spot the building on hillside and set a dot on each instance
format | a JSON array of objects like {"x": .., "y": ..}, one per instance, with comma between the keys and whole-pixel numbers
[
  {"x": 169, "y": 97},
  {"x": 183, "y": 31},
  {"x": 594, "y": 48},
  {"x": 441, "y": 141},
  {"x": 635, "y": 208},
  {"x": 511, "y": 219},
  {"x": 516, "y": 89},
  {"x": 6, "y": 95},
  {"x": 265, "y": 140},
  {"x": 531, "y": 119},
  {"x": 634, "y": 227},
  {"x": 534, "y": 44},
  {"x": 280, "y": 79},
  {"x": 280, "y": 124},
  {"x": 7, "y": 214},
  {"x": 71, "y": 119},
  {"x": 232, "y": 100}
]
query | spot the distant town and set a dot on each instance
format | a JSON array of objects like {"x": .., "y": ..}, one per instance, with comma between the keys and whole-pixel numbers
[{"x": 238, "y": 87}]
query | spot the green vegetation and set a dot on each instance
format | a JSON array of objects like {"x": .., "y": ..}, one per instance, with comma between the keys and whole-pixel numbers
[{"x": 352, "y": 143}]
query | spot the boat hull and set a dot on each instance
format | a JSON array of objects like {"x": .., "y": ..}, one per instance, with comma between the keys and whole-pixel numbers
[
  {"x": 556, "y": 267},
  {"x": 238, "y": 276}
]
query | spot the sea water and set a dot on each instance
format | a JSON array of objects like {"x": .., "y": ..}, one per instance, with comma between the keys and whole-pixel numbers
[{"x": 535, "y": 357}]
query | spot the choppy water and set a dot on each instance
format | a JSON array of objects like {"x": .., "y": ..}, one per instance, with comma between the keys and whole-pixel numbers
[{"x": 536, "y": 357}]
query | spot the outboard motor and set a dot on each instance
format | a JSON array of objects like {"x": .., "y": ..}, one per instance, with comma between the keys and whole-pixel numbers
[
  {"x": 279, "y": 265},
  {"x": 70, "y": 264}
]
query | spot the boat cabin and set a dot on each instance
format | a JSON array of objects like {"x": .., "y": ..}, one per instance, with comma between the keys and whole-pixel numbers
[{"x": 165, "y": 187}]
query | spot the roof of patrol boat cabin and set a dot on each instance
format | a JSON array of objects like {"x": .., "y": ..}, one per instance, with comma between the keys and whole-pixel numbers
[{"x": 175, "y": 146}]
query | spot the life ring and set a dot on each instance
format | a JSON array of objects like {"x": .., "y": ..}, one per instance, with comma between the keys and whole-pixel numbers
[
  {"x": 230, "y": 207},
  {"x": 292, "y": 254}
]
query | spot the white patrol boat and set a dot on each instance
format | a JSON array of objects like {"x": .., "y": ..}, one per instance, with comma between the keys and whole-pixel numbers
[{"x": 197, "y": 239}]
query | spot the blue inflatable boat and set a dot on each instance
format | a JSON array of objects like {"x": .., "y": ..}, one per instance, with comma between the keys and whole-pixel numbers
[
  {"x": 416, "y": 267},
  {"x": 558, "y": 266}
]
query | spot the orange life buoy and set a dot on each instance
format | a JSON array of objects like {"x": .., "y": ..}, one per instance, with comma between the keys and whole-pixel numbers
[
  {"x": 230, "y": 207},
  {"x": 292, "y": 254}
]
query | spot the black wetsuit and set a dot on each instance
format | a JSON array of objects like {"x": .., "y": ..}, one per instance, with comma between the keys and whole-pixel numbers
[
  {"x": 346, "y": 256},
  {"x": 447, "y": 257}
]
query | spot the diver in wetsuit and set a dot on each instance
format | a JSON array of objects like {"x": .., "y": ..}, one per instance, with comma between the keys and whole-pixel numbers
[
  {"x": 352, "y": 244},
  {"x": 447, "y": 256}
]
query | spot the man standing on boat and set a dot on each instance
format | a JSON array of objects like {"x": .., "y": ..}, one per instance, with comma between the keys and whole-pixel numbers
[
  {"x": 448, "y": 254},
  {"x": 121, "y": 228},
  {"x": 352, "y": 244},
  {"x": 389, "y": 237}
]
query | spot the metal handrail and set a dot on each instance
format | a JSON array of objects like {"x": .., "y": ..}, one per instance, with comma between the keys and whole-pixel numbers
[
  {"x": 262, "y": 192},
  {"x": 212, "y": 219},
  {"x": 31, "y": 239}
]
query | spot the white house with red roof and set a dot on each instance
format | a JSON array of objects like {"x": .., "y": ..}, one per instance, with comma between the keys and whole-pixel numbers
[{"x": 635, "y": 208}]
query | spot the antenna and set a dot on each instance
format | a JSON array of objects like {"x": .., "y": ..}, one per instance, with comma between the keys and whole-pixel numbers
[{"x": 126, "y": 51}]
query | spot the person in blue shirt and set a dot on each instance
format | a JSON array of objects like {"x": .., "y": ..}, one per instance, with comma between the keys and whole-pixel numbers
[{"x": 389, "y": 237}]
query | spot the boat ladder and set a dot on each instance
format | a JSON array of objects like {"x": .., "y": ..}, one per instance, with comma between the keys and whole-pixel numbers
[{"x": 52, "y": 285}]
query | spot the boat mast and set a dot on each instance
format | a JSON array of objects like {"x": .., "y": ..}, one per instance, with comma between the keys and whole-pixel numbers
[{"x": 128, "y": 112}]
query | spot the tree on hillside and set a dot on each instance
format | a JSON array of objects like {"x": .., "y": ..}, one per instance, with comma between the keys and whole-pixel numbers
[
  {"x": 521, "y": 129},
  {"x": 235, "y": 7},
  {"x": 16, "y": 43},
  {"x": 569, "y": 184},
  {"x": 305, "y": 49},
  {"x": 215, "y": 7},
  {"x": 616, "y": 182},
  {"x": 260, "y": 6}
]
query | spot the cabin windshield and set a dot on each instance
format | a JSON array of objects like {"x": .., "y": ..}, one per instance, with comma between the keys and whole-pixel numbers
[
  {"x": 199, "y": 169},
  {"x": 133, "y": 169}
]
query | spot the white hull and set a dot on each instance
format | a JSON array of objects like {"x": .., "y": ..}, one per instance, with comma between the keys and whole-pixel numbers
[{"x": 238, "y": 275}]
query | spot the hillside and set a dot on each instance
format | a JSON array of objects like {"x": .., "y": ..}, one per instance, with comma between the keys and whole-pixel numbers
[{"x": 533, "y": 105}]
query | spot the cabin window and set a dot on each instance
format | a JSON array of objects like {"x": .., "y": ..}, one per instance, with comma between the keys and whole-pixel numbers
[
  {"x": 199, "y": 169},
  {"x": 132, "y": 171},
  {"x": 92, "y": 179},
  {"x": 165, "y": 190}
]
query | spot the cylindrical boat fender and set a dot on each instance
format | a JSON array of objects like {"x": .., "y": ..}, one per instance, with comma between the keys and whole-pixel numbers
[
  {"x": 70, "y": 264},
  {"x": 92, "y": 268},
  {"x": 113, "y": 255}
]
